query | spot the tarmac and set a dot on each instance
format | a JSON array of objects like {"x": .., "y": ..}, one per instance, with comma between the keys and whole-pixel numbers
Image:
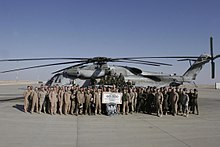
[{"x": 137, "y": 130}]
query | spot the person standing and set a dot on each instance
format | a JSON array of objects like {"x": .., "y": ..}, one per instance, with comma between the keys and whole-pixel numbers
[
  {"x": 159, "y": 102},
  {"x": 61, "y": 99},
  {"x": 179, "y": 103},
  {"x": 97, "y": 98},
  {"x": 174, "y": 97},
  {"x": 125, "y": 99},
  {"x": 131, "y": 100},
  {"x": 27, "y": 95},
  {"x": 165, "y": 101},
  {"x": 195, "y": 102},
  {"x": 34, "y": 97},
  {"x": 67, "y": 104},
  {"x": 88, "y": 97},
  {"x": 185, "y": 102},
  {"x": 80, "y": 101},
  {"x": 73, "y": 99},
  {"x": 53, "y": 100},
  {"x": 190, "y": 93},
  {"x": 41, "y": 95},
  {"x": 135, "y": 99}
]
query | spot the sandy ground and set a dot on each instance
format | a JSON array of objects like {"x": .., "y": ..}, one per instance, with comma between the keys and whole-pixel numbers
[{"x": 137, "y": 130}]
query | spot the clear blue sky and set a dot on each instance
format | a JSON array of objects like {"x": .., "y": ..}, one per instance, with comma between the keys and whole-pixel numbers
[{"x": 112, "y": 28}]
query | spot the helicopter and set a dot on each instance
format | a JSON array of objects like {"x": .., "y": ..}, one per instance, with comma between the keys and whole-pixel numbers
[
  {"x": 87, "y": 71},
  {"x": 86, "y": 75}
]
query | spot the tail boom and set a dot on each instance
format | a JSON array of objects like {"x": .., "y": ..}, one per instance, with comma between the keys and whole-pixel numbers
[{"x": 197, "y": 66}]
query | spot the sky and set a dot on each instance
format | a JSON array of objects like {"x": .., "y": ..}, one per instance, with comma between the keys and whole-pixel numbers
[{"x": 111, "y": 28}]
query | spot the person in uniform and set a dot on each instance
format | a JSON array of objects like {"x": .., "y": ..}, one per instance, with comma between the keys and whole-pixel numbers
[
  {"x": 47, "y": 101},
  {"x": 114, "y": 80},
  {"x": 135, "y": 99},
  {"x": 41, "y": 95},
  {"x": 61, "y": 99},
  {"x": 80, "y": 101},
  {"x": 53, "y": 100},
  {"x": 88, "y": 97},
  {"x": 159, "y": 102},
  {"x": 92, "y": 103},
  {"x": 27, "y": 95},
  {"x": 34, "y": 97},
  {"x": 125, "y": 99},
  {"x": 174, "y": 97},
  {"x": 165, "y": 101},
  {"x": 179, "y": 103},
  {"x": 30, "y": 98},
  {"x": 73, "y": 99},
  {"x": 195, "y": 102},
  {"x": 190, "y": 100},
  {"x": 140, "y": 100},
  {"x": 56, "y": 100},
  {"x": 150, "y": 104},
  {"x": 185, "y": 102},
  {"x": 121, "y": 80},
  {"x": 97, "y": 99},
  {"x": 131, "y": 100},
  {"x": 67, "y": 103}
]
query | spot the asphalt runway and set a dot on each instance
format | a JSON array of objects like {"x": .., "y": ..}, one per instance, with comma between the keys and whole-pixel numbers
[{"x": 137, "y": 130}]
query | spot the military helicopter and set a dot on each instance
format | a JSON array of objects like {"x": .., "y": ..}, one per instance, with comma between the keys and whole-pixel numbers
[
  {"x": 87, "y": 70},
  {"x": 85, "y": 75}
]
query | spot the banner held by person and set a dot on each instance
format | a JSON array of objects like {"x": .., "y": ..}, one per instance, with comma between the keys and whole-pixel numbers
[{"x": 111, "y": 97}]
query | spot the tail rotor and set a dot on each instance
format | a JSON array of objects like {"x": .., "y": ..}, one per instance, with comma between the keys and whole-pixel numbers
[{"x": 212, "y": 58}]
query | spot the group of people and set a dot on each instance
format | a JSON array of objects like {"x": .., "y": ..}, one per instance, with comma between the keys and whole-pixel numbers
[{"x": 78, "y": 100}]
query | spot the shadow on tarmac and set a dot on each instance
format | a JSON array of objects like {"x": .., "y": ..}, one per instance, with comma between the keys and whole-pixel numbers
[
  {"x": 8, "y": 94},
  {"x": 19, "y": 107},
  {"x": 11, "y": 99}
]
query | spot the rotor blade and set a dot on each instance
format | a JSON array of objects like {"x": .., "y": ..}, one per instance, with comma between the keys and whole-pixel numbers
[
  {"x": 39, "y": 66},
  {"x": 69, "y": 67},
  {"x": 217, "y": 56},
  {"x": 186, "y": 60},
  {"x": 41, "y": 59},
  {"x": 151, "y": 62},
  {"x": 213, "y": 69},
  {"x": 151, "y": 57},
  {"x": 211, "y": 47}
]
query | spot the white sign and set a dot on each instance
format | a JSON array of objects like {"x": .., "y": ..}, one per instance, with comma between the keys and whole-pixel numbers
[
  {"x": 217, "y": 85},
  {"x": 111, "y": 97}
]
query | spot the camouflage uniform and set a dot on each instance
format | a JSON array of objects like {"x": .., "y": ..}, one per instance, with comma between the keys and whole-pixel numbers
[
  {"x": 195, "y": 102},
  {"x": 97, "y": 99},
  {"x": 42, "y": 94},
  {"x": 34, "y": 97},
  {"x": 159, "y": 102},
  {"x": 88, "y": 97},
  {"x": 27, "y": 95},
  {"x": 80, "y": 101},
  {"x": 73, "y": 101},
  {"x": 67, "y": 104},
  {"x": 125, "y": 99},
  {"x": 61, "y": 99},
  {"x": 174, "y": 97}
]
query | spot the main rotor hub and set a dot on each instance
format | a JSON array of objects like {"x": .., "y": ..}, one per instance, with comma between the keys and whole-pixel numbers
[{"x": 99, "y": 60}]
